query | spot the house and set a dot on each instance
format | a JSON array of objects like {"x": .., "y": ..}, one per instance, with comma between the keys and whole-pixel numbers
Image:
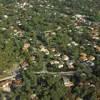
[
  {"x": 17, "y": 82},
  {"x": 54, "y": 62},
  {"x": 97, "y": 47},
  {"x": 74, "y": 43},
  {"x": 26, "y": 46},
  {"x": 5, "y": 85},
  {"x": 20, "y": 33},
  {"x": 91, "y": 58},
  {"x": 34, "y": 97},
  {"x": 24, "y": 65},
  {"x": 6, "y": 88},
  {"x": 67, "y": 82},
  {"x": 83, "y": 57},
  {"x": 58, "y": 28},
  {"x": 53, "y": 49},
  {"x": 43, "y": 49},
  {"x": 83, "y": 54},
  {"x": 78, "y": 98},
  {"x": 65, "y": 58},
  {"x": 49, "y": 33},
  {"x": 60, "y": 66},
  {"x": 70, "y": 64},
  {"x": 79, "y": 18},
  {"x": 57, "y": 54},
  {"x": 33, "y": 58}
]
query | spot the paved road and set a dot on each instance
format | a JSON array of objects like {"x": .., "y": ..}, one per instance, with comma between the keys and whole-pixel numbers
[
  {"x": 69, "y": 73},
  {"x": 7, "y": 78}
]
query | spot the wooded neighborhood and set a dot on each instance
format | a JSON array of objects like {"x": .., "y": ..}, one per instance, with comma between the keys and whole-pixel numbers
[{"x": 49, "y": 50}]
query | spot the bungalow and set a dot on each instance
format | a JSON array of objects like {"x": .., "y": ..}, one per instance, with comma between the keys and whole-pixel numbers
[
  {"x": 60, "y": 66},
  {"x": 26, "y": 46},
  {"x": 83, "y": 57},
  {"x": 5, "y": 86},
  {"x": 49, "y": 33},
  {"x": 65, "y": 58},
  {"x": 70, "y": 64},
  {"x": 54, "y": 62},
  {"x": 91, "y": 58},
  {"x": 43, "y": 49},
  {"x": 17, "y": 82},
  {"x": 67, "y": 82},
  {"x": 24, "y": 65},
  {"x": 34, "y": 97},
  {"x": 53, "y": 49},
  {"x": 57, "y": 54},
  {"x": 97, "y": 47},
  {"x": 78, "y": 98}
]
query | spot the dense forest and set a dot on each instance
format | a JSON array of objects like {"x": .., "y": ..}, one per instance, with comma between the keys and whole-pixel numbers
[{"x": 51, "y": 36}]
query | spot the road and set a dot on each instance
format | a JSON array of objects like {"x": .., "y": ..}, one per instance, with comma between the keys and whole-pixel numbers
[
  {"x": 69, "y": 73},
  {"x": 7, "y": 78}
]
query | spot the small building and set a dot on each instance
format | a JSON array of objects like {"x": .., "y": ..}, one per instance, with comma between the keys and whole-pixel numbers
[
  {"x": 45, "y": 50},
  {"x": 17, "y": 82},
  {"x": 60, "y": 66},
  {"x": 79, "y": 98},
  {"x": 83, "y": 54},
  {"x": 83, "y": 57},
  {"x": 67, "y": 82},
  {"x": 24, "y": 65},
  {"x": 26, "y": 46},
  {"x": 5, "y": 85},
  {"x": 54, "y": 62},
  {"x": 53, "y": 49},
  {"x": 97, "y": 47},
  {"x": 65, "y": 58},
  {"x": 70, "y": 64},
  {"x": 34, "y": 97},
  {"x": 57, "y": 54},
  {"x": 91, "y": 58}
]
